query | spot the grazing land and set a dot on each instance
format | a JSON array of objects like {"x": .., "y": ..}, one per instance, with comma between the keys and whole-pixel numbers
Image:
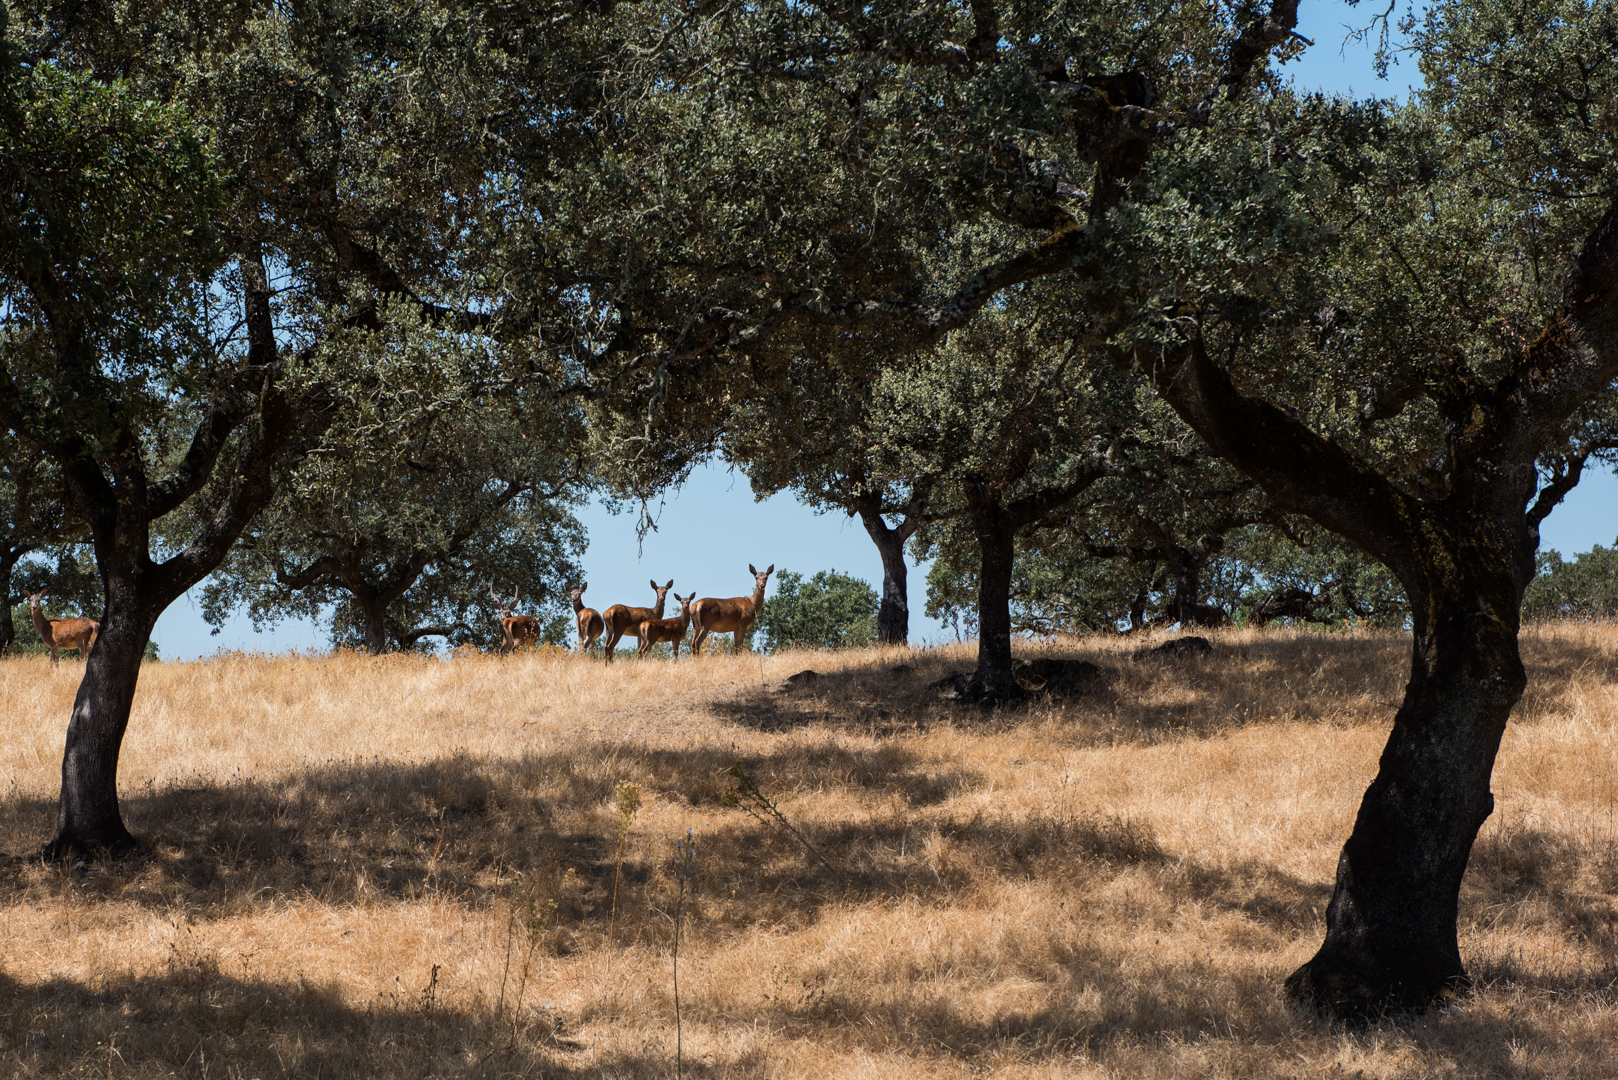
[{"x": 405, "y": 867}]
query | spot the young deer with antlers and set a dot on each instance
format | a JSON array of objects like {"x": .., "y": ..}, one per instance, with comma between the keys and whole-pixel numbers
[
  {"x": 621, "y": 619},
  {"x": 79, "y": 633},
  {"x": 518, "y": 630},
  {"x": 589, "y": 620},
  {"x": 734, "y": 615},
  {"x": 671, "y": 630}
]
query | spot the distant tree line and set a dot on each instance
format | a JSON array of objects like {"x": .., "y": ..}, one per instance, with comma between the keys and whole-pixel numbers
[{"x": 1586, "y": 588}]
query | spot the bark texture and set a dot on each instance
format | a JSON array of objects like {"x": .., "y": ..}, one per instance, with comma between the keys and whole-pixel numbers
[
  {"x": 893, "y": 612},
  {"x": 1391, "y": 941}
]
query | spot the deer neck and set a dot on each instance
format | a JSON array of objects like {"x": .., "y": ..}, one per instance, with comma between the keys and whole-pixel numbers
[
  {"x": 578, "y": 604},
  {"x": 758, "y": 597},
  {"x": 42, "y": 624},
  {"x": 657, "y": 612}
]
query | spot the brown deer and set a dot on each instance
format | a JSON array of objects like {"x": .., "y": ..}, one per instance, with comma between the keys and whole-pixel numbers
[
  {"x": 518, "y": 630},
  {"x": 79, "y": 633},
  {"x": 589, "y": 619},
  {"x": 734, "y": 615},
  {"x": 652, "y": 631},
  {"x": 620, "y": 619}
]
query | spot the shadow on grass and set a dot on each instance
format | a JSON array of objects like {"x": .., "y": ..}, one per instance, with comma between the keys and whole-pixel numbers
[
  {"x": 462, "y": 828},
  {"x": 1147, "y": 700},
  {"x": 194, "y": 1020}
]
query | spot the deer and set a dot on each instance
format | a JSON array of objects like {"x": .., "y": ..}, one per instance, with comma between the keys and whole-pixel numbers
[
  {"x": 589, "y": 619},
  {"x": 734, "y": 615},
  {"x": 620, "y": 619},
  {"x": 518, "y": 630},
  {"x": 79, "y": 633},
  {"x": 651, "y": 631}
]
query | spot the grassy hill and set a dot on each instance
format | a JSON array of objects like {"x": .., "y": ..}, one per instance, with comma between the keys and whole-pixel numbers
[{"x": 403, "y": 867}]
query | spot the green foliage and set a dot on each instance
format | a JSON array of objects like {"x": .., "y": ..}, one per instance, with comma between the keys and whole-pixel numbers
[
  {"x": 827, "y": 611},
  {"x": 1345, "y": 584},
  {"x": 454, "y": 470},
  {"x": 1059, "y": 587},
  {"x": 1586, "y": 588}
]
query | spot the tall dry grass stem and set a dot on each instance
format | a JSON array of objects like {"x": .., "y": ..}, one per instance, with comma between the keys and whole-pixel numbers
[
  {"x": 629, "y": 799},
  {"x": 684, "y": 868},
  {"x": 745, "y": 793}
]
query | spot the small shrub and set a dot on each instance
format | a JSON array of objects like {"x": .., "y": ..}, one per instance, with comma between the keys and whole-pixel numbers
[{"x": 828, "y": 611}]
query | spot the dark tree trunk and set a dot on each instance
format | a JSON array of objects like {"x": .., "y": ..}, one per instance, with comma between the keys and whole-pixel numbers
[
  {"x": 89, "y": 820},
  {"x": 893, "y": 615},
  {"x": 1187, "y": 587},
  {"x": 375, "y": 628},
  {"x": 9, "y": 555},
  {"x": 1391, "y": 926},
  {"x": 1464, "y": 560},
  {"x": 992, "y": 682}
]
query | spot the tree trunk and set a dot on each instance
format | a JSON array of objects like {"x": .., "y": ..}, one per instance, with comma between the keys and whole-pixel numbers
[
  {"x": 9, "y": 555},
  {"x": 1187, "y": 588},
  {"x": 375, "y": 629},
  {"x": 89, "y": 820},
  {"x": 992, "y": 682},
  {"x": 893, "y": 616},
  {"x": 1391, "y": 940}
]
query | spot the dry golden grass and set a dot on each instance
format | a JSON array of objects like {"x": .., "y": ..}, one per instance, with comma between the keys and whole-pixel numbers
[{"x": 348, "y": 858}]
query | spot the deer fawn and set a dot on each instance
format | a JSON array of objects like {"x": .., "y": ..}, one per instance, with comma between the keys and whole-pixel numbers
[
  {"x": 589, "y": 619},
  {"x": 79, "y": 633},
  {"x": 517, "y": 630},
  {"x": 734, "y": 615},
  {"x": 619, "y": 619},
  {"x": 672, "y": 630}
]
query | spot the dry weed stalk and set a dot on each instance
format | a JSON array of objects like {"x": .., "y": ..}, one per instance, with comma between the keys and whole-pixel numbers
[
  {"x": 684, "y": 867},
  {"x": 628, "y": 805},
  {"x": 527, "y": 920},
  {"x": 745, "y": 793}
]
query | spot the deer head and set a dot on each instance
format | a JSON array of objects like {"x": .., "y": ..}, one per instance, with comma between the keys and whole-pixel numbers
[
  {"x": 503, "y": 606},
  {"x": 760, "y": 579}
]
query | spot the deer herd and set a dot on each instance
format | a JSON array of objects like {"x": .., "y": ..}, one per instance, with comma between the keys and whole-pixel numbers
[{"x": 733, "y": 615}]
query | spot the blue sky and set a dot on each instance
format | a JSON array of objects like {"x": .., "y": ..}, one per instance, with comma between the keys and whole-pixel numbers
[{"x": 712, "y": 528}]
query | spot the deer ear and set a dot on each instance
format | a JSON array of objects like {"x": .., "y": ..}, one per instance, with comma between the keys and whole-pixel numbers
[
  {"x": 670, "y": 585},
  {"x": 654, "y": 585},
  {"x": 750, "y": 569},
  {"x": 770, "y": 571},
  {"x": 586, "y": 585}
]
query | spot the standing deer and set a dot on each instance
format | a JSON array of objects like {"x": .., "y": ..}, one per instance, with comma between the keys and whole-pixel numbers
[
  {"x": 620, "y": 619},
  {"x": 651, "y": 631},
  {"x": 518, "y": 630},
  {"x": 734, "y": 615},
  {"x": 79, "y": 633},
  {"x": 589, "y": 619}
]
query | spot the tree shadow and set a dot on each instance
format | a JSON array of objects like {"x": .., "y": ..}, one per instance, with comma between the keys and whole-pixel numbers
[
  {"x": 191, "y": 1018},
  {"x": 1144, "y": 699}
]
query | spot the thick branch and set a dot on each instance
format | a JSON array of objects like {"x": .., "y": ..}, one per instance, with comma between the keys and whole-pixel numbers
[{"x": 1301, "y": 471}]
